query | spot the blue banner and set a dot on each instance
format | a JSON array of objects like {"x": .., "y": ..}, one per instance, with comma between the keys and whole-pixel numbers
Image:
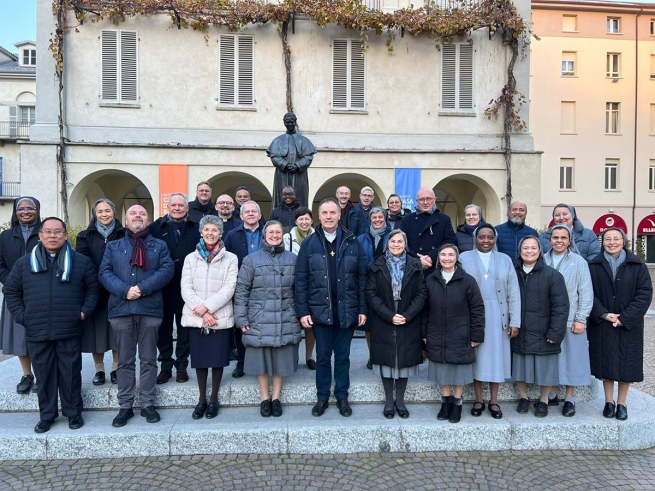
[{"x": 408, "y": 182}]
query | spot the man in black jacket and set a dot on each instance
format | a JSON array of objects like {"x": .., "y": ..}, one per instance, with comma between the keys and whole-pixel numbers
[
  {"x": 203, "y": 204},
  {"x": 181, "y": 235},
  {"x": 225, "y": 208},
  {"x": 286, "y": 212},
  {"x": 51, "y": 291}
]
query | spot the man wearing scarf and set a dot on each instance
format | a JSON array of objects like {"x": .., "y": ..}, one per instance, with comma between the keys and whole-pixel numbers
[
  {"x": 181, "y": 236},
  {"x": 202, "y": 205},
  {"x": 135, "y": 270},
  {"x": 51, "y": 291},
  {"x": 427, "y": 229}
]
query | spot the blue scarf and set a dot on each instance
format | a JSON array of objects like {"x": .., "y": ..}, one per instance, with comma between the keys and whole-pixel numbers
[
  {"x": 209, "y": 254},
  {"x": 105, "y": 230},
  {"x": 396, "y": 265},
  {"x": 39, "y": 261}
]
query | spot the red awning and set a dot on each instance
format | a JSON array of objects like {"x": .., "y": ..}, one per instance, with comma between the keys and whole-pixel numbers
[
  {"x": 608, "y": 221},
  {"x": 647, "y": 226}
]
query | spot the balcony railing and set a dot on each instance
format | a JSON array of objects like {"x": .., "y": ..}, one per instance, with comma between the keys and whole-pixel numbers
[
  {"x": 16, "y": 130},
  {"x": 9, "y": 189}
]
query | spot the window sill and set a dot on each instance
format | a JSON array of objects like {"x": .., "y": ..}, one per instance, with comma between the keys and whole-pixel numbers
[
  {"x": 120, "y": 104},
  {"x": 466, "y": 114},
  {"x": 236, "y": 108},
  {"x": 572, "y": 134},
  {"x": 572, "y": 32},
  {"x": 609, "y": 77},
  {"x": 567, "y": 190},
  {"x": 569, "y": 76},
  {"x": 349, "y": 111},
  {"x": 615, "y": 33},
  {"x": 612, "y": 190},
  {"x": 613, "y": 134}
]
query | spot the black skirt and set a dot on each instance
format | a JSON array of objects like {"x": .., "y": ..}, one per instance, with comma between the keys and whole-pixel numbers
[{"x": 209, "y": 350}]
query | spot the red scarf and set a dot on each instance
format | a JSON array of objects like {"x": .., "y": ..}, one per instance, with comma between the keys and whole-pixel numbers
[{"x": 139, "y": 255}]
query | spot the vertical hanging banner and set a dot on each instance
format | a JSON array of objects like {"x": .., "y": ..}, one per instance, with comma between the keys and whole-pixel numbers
[
  {"x": 408, "y": 182},
  {"x": 172, "y": 179}
]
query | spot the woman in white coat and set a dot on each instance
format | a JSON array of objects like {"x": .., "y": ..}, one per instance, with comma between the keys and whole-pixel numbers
[{"x": 209, "y": 278}]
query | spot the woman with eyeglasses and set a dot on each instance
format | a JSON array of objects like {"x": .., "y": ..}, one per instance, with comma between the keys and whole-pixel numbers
[
  {"x": 585, "y": 239},
  {"x": 623, "y": 292},
  {"x": 395, "y": 211},
  {"x": 472, "y": 219}
]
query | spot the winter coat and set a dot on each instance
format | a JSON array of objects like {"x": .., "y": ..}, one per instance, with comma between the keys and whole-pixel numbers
[
  {"x": 179, "y": 250},
  {"x": 117, "y": 276},
  {"x": 264, "y": 299},
  {"x": 230, "y": 224},
  {"x": 197, "y": 210},
  {"x": 353, "y": 220},
  {"x": 12, "y": 244},
  {"x": 616, "y": 353},
  {"x": 285, "y": 215},
  {"x": 576, "y": 275},
  {"x": 313, "y": 285},
  {"x": 236, "y": 242},
  {"x": 47, "y": 307},
  {"x": 209, "y": 284},
  {"x": 394, "y": 220},
  {"x": 426, "y": 233},
  {"x": 453, "y": 318},
  {"x": 391, "y": 344},
  {"x": 369, "y": 245},
  {"x": 509, "y": 236},
  {"x": 465, "y": 240},
  {"x": 586, "y": 241},
  {"x": 291, "y": 243},
  {"x": 544, "y": 310},
  {"x": 364, "y": 218}
]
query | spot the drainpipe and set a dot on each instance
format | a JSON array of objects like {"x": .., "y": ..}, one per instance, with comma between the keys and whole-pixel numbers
[{"x": 634, "y": 149}]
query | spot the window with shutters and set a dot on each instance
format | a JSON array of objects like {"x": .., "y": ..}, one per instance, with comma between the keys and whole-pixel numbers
[
  {"x": 567, "y": 126},
  {"x": 569, "y": 23},
  {"x": 236, "y": 71},
  {"x": 457, "y": 78},
  {"x": 348, "y": 75},
  {"x": 120, "y": 67},
  {"x": 569, "y": 63},
  {"x": 566, "y": 174}
]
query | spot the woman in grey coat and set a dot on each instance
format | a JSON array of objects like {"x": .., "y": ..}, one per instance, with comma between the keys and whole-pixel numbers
[
  {"x": 574, "y": 368},
  {"x": 264, "y": 309},
  {"x": 585, "y": 239},
  {"x": 496, "y": 277}
]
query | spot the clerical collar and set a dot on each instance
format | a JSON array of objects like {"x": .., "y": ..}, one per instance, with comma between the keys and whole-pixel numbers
[
  {"x": 330, "y": 236},
  {"x": 484, "y": 253}
]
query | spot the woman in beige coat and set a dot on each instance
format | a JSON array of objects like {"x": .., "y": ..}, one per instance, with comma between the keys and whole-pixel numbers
[{"x": 209, "y": 278}]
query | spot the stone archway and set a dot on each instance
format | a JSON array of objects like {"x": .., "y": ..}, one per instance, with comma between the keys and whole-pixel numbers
[
  {"x": 355, "y": 182},
  {"x": 228, "y": 182},
  {"x": 123, "y": 188},
  {"x": 456, "y": 191}
]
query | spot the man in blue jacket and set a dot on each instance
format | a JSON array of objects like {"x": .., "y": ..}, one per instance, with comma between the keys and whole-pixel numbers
[
  {"x": 331, "y": 272},
  {"x": 50, "y": 291},
  {"x": 134, "y": 270},
  {"x": 513, "y": 230}
]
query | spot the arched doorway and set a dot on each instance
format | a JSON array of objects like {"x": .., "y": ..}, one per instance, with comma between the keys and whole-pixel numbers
[
  {"x": 456, "y": 191},
  {"x": 228, "y": 182},
  {"x": 355, "y": 182},
  {"x": 123, "y": 188}
]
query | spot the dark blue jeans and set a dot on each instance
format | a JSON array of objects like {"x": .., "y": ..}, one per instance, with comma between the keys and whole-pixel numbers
[{"x": 332, "y": 339}]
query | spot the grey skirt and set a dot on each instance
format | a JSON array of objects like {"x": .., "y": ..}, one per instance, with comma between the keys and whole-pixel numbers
[
  {"x": 395, "y": 372},
  {"x": 541, "y": 370},
  {"x": 12, "y": 338},
  {"x": 450, "y": 374},
  {"x": 280, "y": 361}
]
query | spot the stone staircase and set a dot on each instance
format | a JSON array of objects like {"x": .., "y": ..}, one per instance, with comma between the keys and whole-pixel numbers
[{"x": 240, "y": 429}]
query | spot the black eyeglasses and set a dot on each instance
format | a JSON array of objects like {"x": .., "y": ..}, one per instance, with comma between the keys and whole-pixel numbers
[{"x": 225, "y": 203}]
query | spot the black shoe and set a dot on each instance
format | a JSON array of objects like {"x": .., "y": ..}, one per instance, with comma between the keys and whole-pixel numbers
[
  {"x": 455, "y": 413},
  {"x": 43, "y": 426},
  {"x": 495, "y": 413},
  {"x": 524, "y": 405},
  {"x": 151, "y": 415},
  {"x": 610, "y": 410},
  {"x": 238, "y": 371},
  {"x": 444, "y": 412},
  {"x": 477, "y": 411},
  {"x": 402, "y": 411},
  {"x": 621, "y": 412},
  {"x": 551, "y": 402},
  {"x": 212, "y": 410},
  {"x": 344, "y": 408},
  {"x": 199, "y": 411},
  {"x": 75, "y": 422},
  {"x": 568, "y": 410},
  {"x": 542, "y": 410},
  {"x": 276, "y": 410},
  {"x": 113, "y": 376},
  {"x": 122, "y": 417},
  {"x": 265, "y": 408},
  {"x": 311, "y": 364},
  {"x": 164, "y": 376},
  {"x": 319, "y": 408},
  {"x": 35, "y": 387},
  {"x": 369, "y": 365},
  {"x": 389, "y": 412},
  {"x": 25, "y": 385},
  {"x": 99, "y": 379},
  {"x": 182, "y": 376}
]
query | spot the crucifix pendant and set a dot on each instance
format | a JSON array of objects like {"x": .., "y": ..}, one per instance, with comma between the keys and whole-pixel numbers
[
  {"x": 486, "y": 276},
  {"x": 252, "y": 246},
  {"x": 332, "y": 253}
]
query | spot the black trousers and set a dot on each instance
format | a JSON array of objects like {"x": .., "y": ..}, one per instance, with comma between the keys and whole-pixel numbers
[
  {"x": 165, "y": 342},
  {"x": 237, "y": 342},
  {"x": 58, "y": 369}
]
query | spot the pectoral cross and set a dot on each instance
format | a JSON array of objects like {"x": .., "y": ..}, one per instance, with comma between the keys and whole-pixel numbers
[
  {"x": 252, "y": 246},
  {"x": 486, "y": 276},
  {"x": 332, "y": 253}
]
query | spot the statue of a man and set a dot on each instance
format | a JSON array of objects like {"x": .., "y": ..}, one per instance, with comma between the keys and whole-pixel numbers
[{"x": 291, "y": 154}]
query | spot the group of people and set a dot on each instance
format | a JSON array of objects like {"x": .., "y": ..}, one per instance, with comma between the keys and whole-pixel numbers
[{"x": 483, "y": 304}]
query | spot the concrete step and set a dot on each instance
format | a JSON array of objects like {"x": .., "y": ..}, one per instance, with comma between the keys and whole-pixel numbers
[
  {"x": 298, "y": 389},
  {"x": 243, "y": 430}
]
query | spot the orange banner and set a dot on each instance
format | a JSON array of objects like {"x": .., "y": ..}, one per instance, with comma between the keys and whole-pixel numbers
[{"x": 172, "y": 179}]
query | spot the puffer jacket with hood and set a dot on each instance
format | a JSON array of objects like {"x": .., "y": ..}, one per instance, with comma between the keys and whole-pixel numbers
[{"x": 585, "y": 239}]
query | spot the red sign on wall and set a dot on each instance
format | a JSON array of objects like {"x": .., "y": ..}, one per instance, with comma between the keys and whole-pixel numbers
[
  {"x": 609, "y": 221},
  {"x": 647, "y": 226}
]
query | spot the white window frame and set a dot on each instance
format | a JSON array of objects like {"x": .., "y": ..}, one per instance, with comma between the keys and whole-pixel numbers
[
  {"x": 575, "y": 20},
  {"x": 614, "y": 25},
  {"x": 566, "y": 174},
  {"x": 457, "y": 59},
  {"x": 349, "y": 76},
  {"x": 612, "y": 174},
  {"x": 30, "y": 54},
  {"x": 236, "y": 82},
  {"x": 612, "y": 118},
  {"x": 30, "y": 111},
  {"x": 609, "y": 72},
  {"x": 125, "y": 64},
  {"x": 651, "y": 176},
  {"x": 569, "y": 65}
]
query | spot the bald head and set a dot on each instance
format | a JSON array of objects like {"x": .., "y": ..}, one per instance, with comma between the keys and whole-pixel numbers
[{"x": 136, "y": 218}]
